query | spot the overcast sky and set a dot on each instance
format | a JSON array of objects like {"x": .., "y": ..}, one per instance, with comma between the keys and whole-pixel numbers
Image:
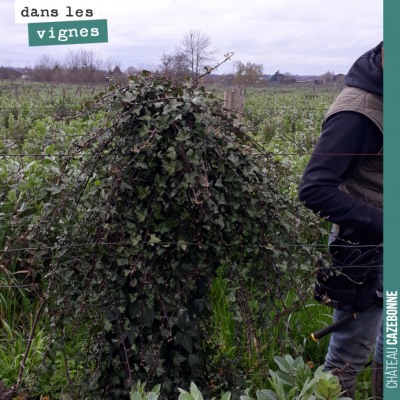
[{"x": 297, "y": 36}]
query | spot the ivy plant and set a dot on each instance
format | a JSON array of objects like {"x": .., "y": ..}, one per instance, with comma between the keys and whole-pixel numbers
[{"x": 129, "y": 227}]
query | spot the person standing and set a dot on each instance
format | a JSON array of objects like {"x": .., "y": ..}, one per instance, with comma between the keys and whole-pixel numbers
[{"x": 346, "y": 188}]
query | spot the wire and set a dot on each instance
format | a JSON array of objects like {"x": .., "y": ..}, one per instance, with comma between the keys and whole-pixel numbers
[
  {"x": 313, "y": 372},
  {"x": 266, "y": 246},
  {"x": 72, "y": 105},
  {"x": 126, "y": 154}
]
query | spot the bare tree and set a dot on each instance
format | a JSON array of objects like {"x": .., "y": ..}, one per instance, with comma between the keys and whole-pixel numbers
[
  {"x": 84, "y": 66},
  {"x": 43, "y": 70},
  {"x": 248, "y": 73},
  {"x": 289, "y": 78},
  {"x": 175, "y": 66},
  {"x": 131, "y": 70},
  {"x": 328, "y": 76},
  {"x": 196, "y": 48},
  {"x": 79, "y": 66},
  {"x": 7, "y": 71},
  {"x": 110, "y": 65}
]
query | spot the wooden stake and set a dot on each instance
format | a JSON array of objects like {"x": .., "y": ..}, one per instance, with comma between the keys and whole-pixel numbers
[
  {"x": 227, "y": 102},
  {"x": 233, "y": 106}
]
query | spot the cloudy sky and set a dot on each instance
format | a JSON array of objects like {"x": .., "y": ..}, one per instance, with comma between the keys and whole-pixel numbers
[{"x": 297, "y": 36}]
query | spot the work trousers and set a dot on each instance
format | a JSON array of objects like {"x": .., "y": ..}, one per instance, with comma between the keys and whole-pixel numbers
[{"x": 353, "y": 343}]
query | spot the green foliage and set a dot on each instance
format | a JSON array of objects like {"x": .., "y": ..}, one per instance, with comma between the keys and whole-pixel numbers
[
  {"x": 139, "y": 393},
  {"x": 295, "y": 381},
  {"x": 172, "y": 188},
  {"x": 194, "y": 393}
]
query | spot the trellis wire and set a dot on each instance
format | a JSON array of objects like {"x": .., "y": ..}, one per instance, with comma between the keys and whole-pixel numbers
[{"x": 267, "y": 246}]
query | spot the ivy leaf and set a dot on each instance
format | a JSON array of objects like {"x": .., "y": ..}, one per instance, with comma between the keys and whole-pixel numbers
[
  {"x": 219, "y": 182},
  {"x": 170, "y": 167},
  {"x": 202, "y": 304},
  {"x": 124, "y": 185},
  {"x": 135, "y": 240},
  {"x": 182, "y": 243},
  {"x": 179, "y": 359},
  {"x": 154, "y": 239},
  {"x": 193, "y": 359},
  {"x": 107, "y": 325},
  {"x": 182, "y": 135},
  {"x": 178, "y": 338},
  {"x": 134, "y": 309},
  {"x": 233, "y": 158},
  {"x": 187, "y": 342},
  {"x": 142, "y": 192},
  {"x": 141, "y": 164},
  {"x": 148, "y": 316},
  {"x": 141, "y": 215},
  {"x": 161, "y": 181},
  {"x": 171, "y": 153}
]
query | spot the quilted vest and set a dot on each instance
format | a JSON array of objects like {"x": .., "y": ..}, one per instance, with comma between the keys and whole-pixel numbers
[{"x": 367, "y": 181}]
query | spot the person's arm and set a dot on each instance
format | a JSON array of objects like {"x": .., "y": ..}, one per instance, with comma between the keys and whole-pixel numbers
[{"x": 344, "y": 133}]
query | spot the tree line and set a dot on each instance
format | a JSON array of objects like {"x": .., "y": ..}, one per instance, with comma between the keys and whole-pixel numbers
[{"x": 188, "y": 60}]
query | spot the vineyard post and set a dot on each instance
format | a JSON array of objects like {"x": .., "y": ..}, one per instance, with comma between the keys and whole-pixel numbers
[
  {"x": 233, "y": 105},
  {"x": 240, "y": 99},
  {"x": 227, "y": 102},
  {"x": 51, "y": 88},
  {"x": 16, "y": 93}
]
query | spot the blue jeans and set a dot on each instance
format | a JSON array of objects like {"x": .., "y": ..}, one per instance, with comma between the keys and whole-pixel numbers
[{"x": 354, "y": 342}]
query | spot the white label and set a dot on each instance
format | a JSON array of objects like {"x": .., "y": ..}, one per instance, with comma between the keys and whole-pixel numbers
[{"x": 30, "y": 11}]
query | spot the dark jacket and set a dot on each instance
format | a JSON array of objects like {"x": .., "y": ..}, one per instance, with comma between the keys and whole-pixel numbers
[{"x": 347, "y": 133}]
